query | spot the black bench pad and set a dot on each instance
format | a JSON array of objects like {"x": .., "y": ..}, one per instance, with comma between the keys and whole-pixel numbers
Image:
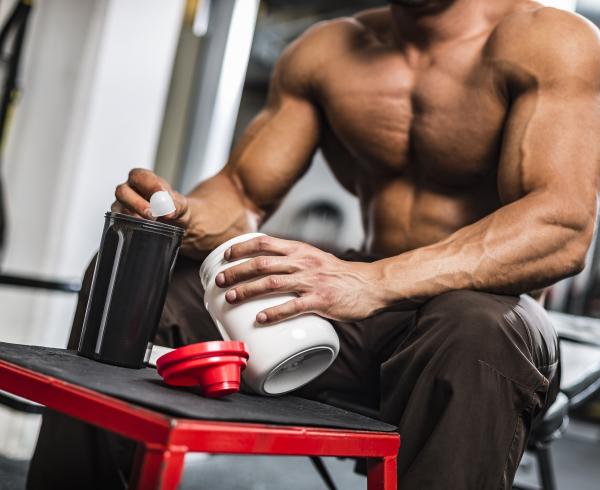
[{"x": 145, "y": 387}]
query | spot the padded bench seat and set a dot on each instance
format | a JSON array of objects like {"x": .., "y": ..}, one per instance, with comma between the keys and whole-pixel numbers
[
  {"x": 183, "y": 421},
  {"x": 145, "y": 387}
]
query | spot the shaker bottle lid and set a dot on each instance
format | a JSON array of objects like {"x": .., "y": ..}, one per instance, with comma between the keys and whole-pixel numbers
[
  {"x": 214, "y": 366},
  {"x": 161, "y": 204}
]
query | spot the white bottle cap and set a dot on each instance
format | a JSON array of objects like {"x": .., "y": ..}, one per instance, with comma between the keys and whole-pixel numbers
[{"x": 161, "y": 203}]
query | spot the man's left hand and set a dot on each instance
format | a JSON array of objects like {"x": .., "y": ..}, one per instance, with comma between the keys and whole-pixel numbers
[{"x": 331, "y": 287}]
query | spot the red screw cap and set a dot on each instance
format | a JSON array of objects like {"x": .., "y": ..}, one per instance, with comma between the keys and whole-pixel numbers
[{"x": 214, "y": 366}]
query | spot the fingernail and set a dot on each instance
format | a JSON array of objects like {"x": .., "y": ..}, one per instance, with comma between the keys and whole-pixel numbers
[
  {"x": 261, "y": 317},
  {"x": 227, "y": 254},
  {"x": 231, "y": 295},
  {"x": 220, "y": 279},
  {"x": 148, "y": 214}
]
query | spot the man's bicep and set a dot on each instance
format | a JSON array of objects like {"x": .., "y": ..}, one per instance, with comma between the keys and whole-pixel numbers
[
  {"x": 551, "y": 65},
  {"x": 551, "y": 144},
  {"x": 552, "y": 133},
  {"x": 275, "y": 151},
  {"x": 278, "y": 146}
]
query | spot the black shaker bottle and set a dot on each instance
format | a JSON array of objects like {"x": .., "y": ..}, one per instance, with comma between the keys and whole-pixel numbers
[{"x": 128, "y": 292}]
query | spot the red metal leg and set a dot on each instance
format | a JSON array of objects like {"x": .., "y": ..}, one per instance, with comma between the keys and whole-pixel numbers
[
  {"x": 165, "y": 440},
  {"x": 158, "y": 467},
  {"x": 382, "y": 473}
]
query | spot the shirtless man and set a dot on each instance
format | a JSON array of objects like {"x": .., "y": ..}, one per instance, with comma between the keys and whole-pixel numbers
[{"x": 470, "y": 132}]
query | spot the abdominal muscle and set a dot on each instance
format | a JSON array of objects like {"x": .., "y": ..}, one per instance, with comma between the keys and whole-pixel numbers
[{"x": 399, "y": 215}]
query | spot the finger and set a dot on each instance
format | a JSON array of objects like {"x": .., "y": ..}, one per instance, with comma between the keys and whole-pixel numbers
[
  {"x": 258, "y": 266},
  {"x": 181, "y": 203},
  {"x": 263, "y": 245},
  {"x": 131, "y": 200},
  {"x": 277, "y": 283},
  {"x": 289, "y": 309},
  {"x": 181, "y": 208},
  {"x": 117, "y": 207},
  {"x": 146, "y": 182}
]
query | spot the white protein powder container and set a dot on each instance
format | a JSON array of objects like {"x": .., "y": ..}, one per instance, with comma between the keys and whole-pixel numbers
[{"x": 283, "y": 356}]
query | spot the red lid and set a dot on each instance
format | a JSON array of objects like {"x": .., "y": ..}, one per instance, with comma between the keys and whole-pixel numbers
[
  {"x": 214, "y": 366},
  {"x": 190, "y": 373},
  {"x": 202, "y": 349}
]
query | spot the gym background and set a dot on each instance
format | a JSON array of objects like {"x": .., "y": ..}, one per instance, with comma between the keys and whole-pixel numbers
[{"x": 91, "y": 87}]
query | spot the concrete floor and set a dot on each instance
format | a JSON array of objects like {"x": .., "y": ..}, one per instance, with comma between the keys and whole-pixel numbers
[{"x": 576, "y": 458}]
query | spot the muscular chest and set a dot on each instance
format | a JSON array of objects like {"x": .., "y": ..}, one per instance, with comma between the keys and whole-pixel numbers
[{"x": 443, "y": 121}]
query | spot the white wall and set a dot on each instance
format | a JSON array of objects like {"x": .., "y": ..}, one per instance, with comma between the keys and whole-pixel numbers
[{"x": 95, "y": 79}]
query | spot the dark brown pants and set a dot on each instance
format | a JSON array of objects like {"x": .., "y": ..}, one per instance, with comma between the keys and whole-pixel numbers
[{"x": 463, "y": 377}]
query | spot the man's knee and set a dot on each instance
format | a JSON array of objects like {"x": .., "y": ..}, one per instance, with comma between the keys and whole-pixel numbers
[
  {"x": 469, "y": 308},
  {"x": 469, "y": 322},
  {"x": 476, "y": 331}
]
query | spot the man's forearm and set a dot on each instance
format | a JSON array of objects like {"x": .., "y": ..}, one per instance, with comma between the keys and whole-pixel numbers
[
  {"x": 218, "y": 211},
  {"x": 523, "y": 246}
]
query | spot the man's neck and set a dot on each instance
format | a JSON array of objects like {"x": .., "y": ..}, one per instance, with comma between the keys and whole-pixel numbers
[{"x": 446, "y": 21}]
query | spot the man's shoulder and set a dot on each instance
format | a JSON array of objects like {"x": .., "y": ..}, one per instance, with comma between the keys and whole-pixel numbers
[
  {"x": 321, "y": 45},
  {"x": 544, "y": 40},
  {"x": 342, "y": 32},
  {"x": 374, "y": 20}
]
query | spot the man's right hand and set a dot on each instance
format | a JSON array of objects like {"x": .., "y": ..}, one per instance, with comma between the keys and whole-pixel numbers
[{"x": 133, "y": 197}]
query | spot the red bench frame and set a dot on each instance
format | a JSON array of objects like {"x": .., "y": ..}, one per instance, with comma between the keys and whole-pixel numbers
[{"x": 164, "y": 440}]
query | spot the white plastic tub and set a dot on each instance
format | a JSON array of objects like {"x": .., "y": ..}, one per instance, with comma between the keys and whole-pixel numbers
[{"x": 283, "y": 356}]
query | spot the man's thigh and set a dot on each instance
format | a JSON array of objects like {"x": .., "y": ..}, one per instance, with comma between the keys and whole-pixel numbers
[
  {"x": 185, "y": 319},
  {"x": 457, "y": 333},
  {"x": 354, "y": 377}
]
